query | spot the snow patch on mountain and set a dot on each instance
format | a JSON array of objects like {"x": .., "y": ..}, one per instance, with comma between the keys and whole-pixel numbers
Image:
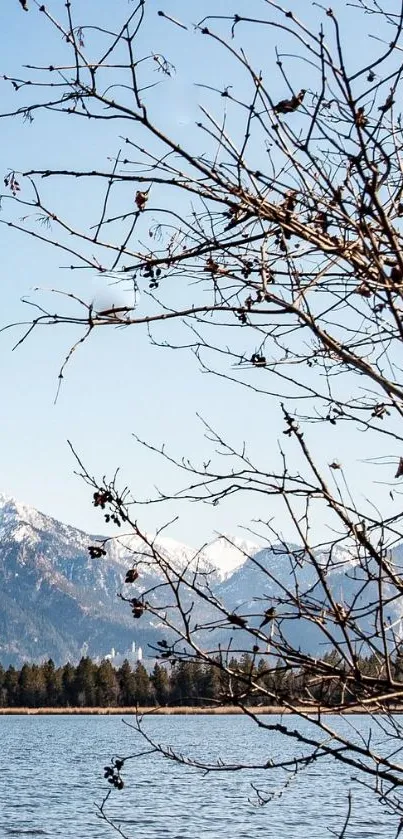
[
  {"x": 24, "y": 522},
  {"x": 228, "y": 553},
  {"x": 149, "y": 551},
  {"x": 221, "y": 557}
]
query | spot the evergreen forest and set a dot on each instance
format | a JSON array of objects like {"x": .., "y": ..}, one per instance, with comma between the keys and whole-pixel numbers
[{"x": 184, "y": 682}]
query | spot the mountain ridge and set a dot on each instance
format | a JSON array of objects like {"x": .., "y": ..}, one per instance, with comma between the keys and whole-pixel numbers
[{"x": 58, "y": 601}]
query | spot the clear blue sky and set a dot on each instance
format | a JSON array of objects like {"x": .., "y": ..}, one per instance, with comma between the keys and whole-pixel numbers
[{"x": 117, "y": 384}]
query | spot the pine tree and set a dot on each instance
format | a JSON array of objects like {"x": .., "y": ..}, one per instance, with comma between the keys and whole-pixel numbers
[
  {"x": 127, "y": 685},
  {"x": 142, "y": 679},
  {"x": 11, "y": 686},
  {"x": 53, "y": 683},
  {"x": 187, "y": 683},
  {"x": 84, "y": 688},
  {"x": 68, "y": 675},
  {"x": 107, "y": 686},
  {"x": 160, "y": 684},
  {"x": 211, "y": 684},
  {"x": 31, "y": 686}
]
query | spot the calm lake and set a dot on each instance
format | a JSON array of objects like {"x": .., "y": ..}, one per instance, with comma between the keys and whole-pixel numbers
[{"x": 52, "y": 780}]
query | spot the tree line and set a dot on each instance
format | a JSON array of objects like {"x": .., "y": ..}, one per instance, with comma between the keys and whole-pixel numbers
[{"x": 184, "y": 682}]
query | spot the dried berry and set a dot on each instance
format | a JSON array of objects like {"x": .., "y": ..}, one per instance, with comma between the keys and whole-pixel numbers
[
  {"x": 141, "y": 199},
  {"x": 287, "y": 106},
  {"x": 96, "y": 552},
  {"x": 131, "y": 575},
  {"x": 102, "y": 498},
  {"x": 137, "y": 608}
]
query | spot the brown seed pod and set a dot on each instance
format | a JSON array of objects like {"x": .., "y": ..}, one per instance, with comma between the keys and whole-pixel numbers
[
  {"x": 131, "y": 575},
  {"x": 141, "y": 199},
  {"x": 287, "y": 106}
]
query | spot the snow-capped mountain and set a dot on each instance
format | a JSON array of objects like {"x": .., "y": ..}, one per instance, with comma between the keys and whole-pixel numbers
[
  {"x": 57, "y": 600},
  {"x": 221, "y": 557},
  {"x": 228, "y": 553}
]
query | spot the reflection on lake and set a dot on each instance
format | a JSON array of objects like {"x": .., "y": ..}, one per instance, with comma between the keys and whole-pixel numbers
[{"x": 52, "y": 779}]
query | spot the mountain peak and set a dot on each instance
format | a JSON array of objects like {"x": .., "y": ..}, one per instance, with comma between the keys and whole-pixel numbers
[
  {"x": 227, "y": 553},
  {"x": 5, "y": 500}
]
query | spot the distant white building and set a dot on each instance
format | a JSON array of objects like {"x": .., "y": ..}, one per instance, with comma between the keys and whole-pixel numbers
[{"x": 132, "y": 656}]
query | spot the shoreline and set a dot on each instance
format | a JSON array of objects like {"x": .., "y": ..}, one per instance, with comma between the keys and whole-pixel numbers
[{"x": 189, "y": 710}]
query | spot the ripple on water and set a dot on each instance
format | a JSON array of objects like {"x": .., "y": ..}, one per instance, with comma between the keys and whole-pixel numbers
[
  {"x": 55, "y": 774},
  {"x": 16, "y": 832}
]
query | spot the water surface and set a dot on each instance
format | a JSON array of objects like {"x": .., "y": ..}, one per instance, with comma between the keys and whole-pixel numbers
[{"x": 52, "y": 780}]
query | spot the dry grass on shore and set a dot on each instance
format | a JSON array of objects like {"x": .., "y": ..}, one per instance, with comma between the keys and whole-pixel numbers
[
  {"x": 186, "y": 710},
  {"x": 163, "y": 711}
]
